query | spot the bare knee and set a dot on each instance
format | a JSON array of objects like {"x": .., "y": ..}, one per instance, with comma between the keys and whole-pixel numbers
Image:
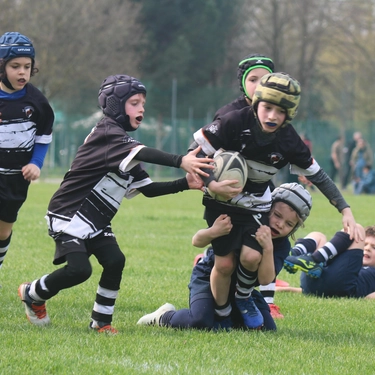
[
  {"x": 250, "y": 258},
  {"x": 5, "y": 230},
  {"x": 319, "y": 238},
  {"x": 225, "y": 265}
]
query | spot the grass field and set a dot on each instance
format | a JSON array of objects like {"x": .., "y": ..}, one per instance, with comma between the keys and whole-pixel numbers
[{"x": 316, "y": 337}]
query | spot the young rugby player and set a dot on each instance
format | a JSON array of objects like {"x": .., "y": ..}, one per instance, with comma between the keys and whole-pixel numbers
[{"x": 105, "y": 170}]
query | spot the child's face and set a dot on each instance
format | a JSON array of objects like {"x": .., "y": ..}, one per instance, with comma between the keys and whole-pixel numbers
[
  {"x": 270, "y": 116},
  {"x": 252, "y": 80},
  {"x": 135, "y": 108},
  {"x": 18, "y": 72},
  {"x": 283, "y": 220},
  {"x": 369, "y": 252}
]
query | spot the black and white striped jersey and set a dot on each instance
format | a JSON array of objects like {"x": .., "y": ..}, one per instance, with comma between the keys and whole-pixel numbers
[
  {"x": 102, "y": 174},
  {"x": 25, "y": 121},
  {"x": 265, "y": 154}
]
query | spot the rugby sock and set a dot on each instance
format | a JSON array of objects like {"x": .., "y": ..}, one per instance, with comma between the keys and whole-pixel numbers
[
  {"x": 104, "y": 305},
  {"x": 338, "y": 244},
  {"x": 268, "y": 291},
  {"x": 245, "y": 282},
  {"x": 303, "y": 246},
  {"x": 223, "y": 311},
  {"x": 4, "y": 245},
  {"x": 38, "y": 290}
]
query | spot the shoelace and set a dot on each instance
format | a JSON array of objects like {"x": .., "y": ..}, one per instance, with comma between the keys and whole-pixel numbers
[{"x": 39, "y": 310}]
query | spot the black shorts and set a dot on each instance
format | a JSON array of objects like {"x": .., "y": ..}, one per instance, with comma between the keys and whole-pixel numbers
[
  {"x": 242, "y": 233},
  {"x": 65, "y": 244},
  {"x": 13, "y": 193}
]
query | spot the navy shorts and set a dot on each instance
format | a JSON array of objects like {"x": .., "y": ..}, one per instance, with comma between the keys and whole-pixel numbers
[
  {"x": 339, "y": 276},
  {"x": 13, "y": 193}
]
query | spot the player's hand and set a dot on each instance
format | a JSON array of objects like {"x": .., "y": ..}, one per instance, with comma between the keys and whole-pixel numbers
[
  {"x": 191, "y": 164},
  {"x": 350, "y": 226},
  {"x": 30, "y": 172},
  {"x": 264, "y": 237},
  {"x": 194, "y": 182},
  {"x": 225, "y": 188},
  {"x": 222, "y": 226}
]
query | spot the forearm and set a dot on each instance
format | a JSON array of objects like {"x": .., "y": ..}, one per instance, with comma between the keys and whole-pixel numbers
[
  {"x": 39, "y": 154},
  {"x": 203, "y": 237},
  {"x": 155, "y": 156},
  {"x": 157, "y": 189},
  {"x": 266, "y": 270}
]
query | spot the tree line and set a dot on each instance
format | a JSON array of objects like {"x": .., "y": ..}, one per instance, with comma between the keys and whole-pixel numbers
[{"x": 326, "y": 44}]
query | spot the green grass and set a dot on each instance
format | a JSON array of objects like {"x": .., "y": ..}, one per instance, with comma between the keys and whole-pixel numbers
[{"x": 316, "y": 337}]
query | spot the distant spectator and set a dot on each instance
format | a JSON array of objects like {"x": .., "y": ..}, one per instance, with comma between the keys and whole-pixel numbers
[
  {"x": 337, "y": 158},
  {"x": 365, "y": 185},
  {"x": 348, "y": 153},
  {"x": 362, "y": 155}
]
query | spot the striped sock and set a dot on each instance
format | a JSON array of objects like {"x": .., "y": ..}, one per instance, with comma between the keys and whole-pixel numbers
[{"x": 245, "y": 282}]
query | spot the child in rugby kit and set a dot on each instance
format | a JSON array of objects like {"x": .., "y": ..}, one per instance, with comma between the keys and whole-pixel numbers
[
  {"x": 249, "y": 72},
  {"x": 291, "y": 205},
  {"x": 26, "y": 130},
  {"x": 339, "y": 267},
  {"x": 262, "y": 133},
  {"x": 105, "y": 170}
]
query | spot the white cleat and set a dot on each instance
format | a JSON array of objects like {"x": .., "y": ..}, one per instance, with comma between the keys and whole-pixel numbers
[
  {"x": 153, "y": 319},
  {"x": 35, "y": 311}
]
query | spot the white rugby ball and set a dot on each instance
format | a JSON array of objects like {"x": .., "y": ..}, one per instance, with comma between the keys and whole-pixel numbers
[{"x": 229, "y": 165}]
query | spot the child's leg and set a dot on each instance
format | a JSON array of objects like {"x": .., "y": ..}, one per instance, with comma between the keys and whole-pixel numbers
[
  {"x": 220, "y": 280},
  {"x": 247, "y": 275},
  {"x": 77, "y": 270},
  {"x": 247, "y": 271},
  {"x": 308, "y": 244},
  {"x": 111, "y": 258},
  {"x": 5, "y": 237},
  {"x": 34, "y": 295}
]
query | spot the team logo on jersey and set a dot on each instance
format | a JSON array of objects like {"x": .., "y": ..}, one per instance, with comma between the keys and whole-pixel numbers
[
  {"x": 213, "y": 128},
  {"x": 128, "y": 139},
  {"x": 276, "y": 158},
  {"x": 28, "y": 111}
]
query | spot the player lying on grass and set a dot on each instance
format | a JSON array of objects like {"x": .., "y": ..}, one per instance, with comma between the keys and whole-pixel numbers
[
  {"x": 106, "y": 169},
  {"x": 291, "y": 206},
  {"x": 337, "y": 268}
]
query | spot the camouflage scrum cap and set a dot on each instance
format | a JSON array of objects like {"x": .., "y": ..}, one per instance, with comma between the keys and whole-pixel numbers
[{"x": 280, "y": 89}]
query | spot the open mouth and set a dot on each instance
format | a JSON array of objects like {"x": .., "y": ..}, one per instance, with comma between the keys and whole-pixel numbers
[
  {"x": 139, "y": 118},
  {"x": 271, "y": 124},
  {"x": 274, "y": 232}
]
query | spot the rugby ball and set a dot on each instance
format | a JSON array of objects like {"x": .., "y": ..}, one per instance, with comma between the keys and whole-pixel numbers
[{"x": 229, "y": 165}]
